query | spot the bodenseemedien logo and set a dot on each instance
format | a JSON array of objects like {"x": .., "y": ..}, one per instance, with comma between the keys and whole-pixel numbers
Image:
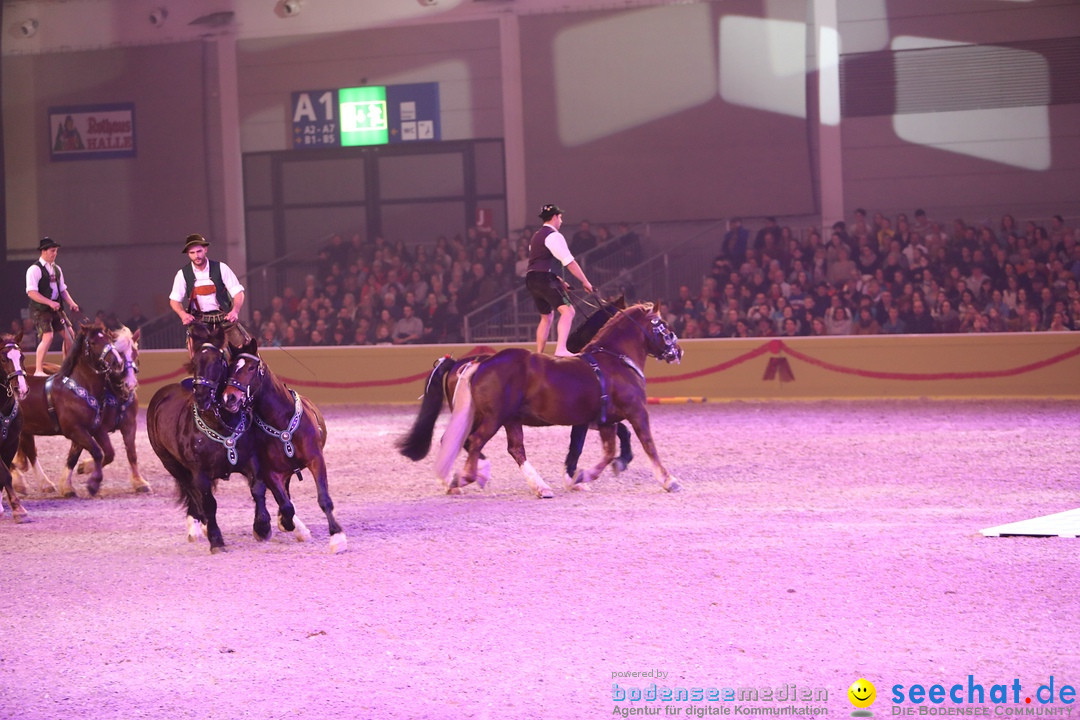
[{"x": 862, "y": 695}]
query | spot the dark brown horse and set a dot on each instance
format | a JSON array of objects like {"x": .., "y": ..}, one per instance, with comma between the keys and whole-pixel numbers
[
  {"x": 121, "y": 412},
  {"x": 515, "y": 387},
  {"x": 74, "y": 403},
  {"x": 199, "y": 443},
  {"x": 290, "y": 436},
  {"x": 12, "y": 391}
]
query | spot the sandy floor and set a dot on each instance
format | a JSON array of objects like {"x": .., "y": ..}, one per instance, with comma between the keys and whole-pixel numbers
[{"x": 814, "y": 544}]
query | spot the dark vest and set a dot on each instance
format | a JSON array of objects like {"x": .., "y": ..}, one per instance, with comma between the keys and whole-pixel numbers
[
  {"x": 223, "y": 297},
  {"x": 540, "y": 258},
  {"x": 45, "y": 286}
]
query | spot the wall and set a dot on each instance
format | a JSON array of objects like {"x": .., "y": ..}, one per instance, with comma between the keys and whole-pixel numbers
[
  {"x": 1004, "y": 140},
  {"x": 121, "y": 221},
  {"x": 1011, "y": 365}
]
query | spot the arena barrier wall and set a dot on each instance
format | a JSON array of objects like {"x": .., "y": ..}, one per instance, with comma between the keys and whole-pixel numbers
[{"x": 1013, "y": 365}]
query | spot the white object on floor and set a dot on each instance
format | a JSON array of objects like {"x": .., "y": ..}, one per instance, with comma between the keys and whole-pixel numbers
[{"x": 1062, "y": 524}]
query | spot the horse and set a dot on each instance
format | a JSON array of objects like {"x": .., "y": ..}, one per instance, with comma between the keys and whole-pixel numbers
[
  {"x": 291, "y": 435},
  {"x": 121, "y": 412},
  {"x": 11, "y": 364},
  {"x": 75, "y": 402},
  {"x": 198, "y": 443},
  {"x": 575, "y": 343},
  {"x": 442, "y": 380},
  {"x": 516, "y": 387}
]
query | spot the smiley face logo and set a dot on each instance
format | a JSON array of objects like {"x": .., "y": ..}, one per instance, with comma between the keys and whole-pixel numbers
[{"x": 862, "y": 693}]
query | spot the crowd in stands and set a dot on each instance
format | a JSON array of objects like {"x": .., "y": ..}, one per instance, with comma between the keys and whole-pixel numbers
[
  {"x": 880, "y": 275},
  {"x": 868, "y": 276}
]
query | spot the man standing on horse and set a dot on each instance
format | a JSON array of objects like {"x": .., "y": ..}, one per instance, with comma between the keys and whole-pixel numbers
[
  {"x": 48, "y": 292},
  {"x": 208, "y": 291},
  {"x": 547, "y": 251}
]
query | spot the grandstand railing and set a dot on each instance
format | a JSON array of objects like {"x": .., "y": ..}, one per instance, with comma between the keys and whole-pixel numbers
[{"x": 682, "y": 253}]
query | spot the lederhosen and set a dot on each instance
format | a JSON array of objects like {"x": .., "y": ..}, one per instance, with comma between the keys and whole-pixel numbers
[{"x": 541, "y": 279}]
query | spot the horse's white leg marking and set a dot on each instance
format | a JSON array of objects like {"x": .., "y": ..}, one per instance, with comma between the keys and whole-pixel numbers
[
  {"x": 300, "y": 530},
  {"x": 43, "y": 479},
  {"x": 138, "y": 482},
  {"x": 666, "y": 479},
  {"x": 339, "y": 543},
  {"x": 194, "y": 528},
  {"x": 459, "y": 426},
  {"x": 541, "y": 488},
  {"x": 483, "y": 472},
  {"x": 65, "y": 489}
]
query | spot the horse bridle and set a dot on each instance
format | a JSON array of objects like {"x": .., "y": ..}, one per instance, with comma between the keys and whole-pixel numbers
[
  {"x": 18, "y": 370},
  {"x": 102, "y": 359},
  {"x": 246, "y": 392},
  {"x": 202, "y": 381},
  {"x": 665, "y": 334}
]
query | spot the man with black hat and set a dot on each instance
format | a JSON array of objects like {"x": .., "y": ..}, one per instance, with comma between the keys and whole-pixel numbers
[
  {"x": 208, "y": 291},
  {"x": 48, "y": 292},
  {"x": 547, "y": 251}
]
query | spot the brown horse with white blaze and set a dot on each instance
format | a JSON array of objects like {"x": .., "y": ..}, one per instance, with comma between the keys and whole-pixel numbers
[
  {"x": 516, "y": 387},
  {"x": 12, "y": 391}
]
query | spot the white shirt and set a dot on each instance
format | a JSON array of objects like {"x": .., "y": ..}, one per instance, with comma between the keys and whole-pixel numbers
[
  {"x": 33, "y": 278},
  {"x": 206, "y": 303},
  {"x": 556, "y": 243}
]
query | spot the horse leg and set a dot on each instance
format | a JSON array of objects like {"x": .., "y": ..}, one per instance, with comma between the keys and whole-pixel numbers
[
  {"x": 515, "y": 445},
  {"x": 338, "y": 542},
  {"x": 128, "y": 428},
  {"x": 18, "y": 512},
  {"x": 584, "y": 477},
  {"x": 573, "y": 454},
  {"x": 84, "y": 440},
  {"x": 625, "y": 453},
  {"x": 640, "y": 423},
  {"x": 260, "y": 527},
  {"x": 288, "y": 521},
  {"x": 26, "y": 461},
  {"x": 475, "y": 442},
  {"x": 204, "y": 485}
]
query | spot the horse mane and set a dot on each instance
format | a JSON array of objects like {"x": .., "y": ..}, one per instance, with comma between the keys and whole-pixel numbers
[
  {"x": 72, "y": 358},
  {"x": 610, "y": 327}
]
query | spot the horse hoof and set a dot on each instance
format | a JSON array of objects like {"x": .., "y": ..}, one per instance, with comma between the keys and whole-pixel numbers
[
  {"x": 215, "y": 549},
  {"x": 618, "y": 465},
  {"x": 673, "y": 486},
  {"x": 454, "y": 490},
  {"x": 144, "y": 487},
  {"x": 338, "y": 543},
  {"x": 18, "y": 485},
  {"x": 581, "y": 487},
  {"x": 70, "y": 493},
  {"x": 545, "y": 493},
  {"x": 301, "y": 533},
  {"x": 20, "y": 518},
  {"x": 483, "y": 472}
]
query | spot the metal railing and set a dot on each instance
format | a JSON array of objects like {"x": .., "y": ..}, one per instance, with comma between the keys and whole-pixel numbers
[{"x": 687, "y": 257}]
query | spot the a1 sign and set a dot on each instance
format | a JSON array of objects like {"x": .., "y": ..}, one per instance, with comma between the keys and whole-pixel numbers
[{"x": 314, "y": 119}]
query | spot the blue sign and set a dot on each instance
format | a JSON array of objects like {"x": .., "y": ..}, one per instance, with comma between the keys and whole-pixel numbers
[
  {"x": 413, "y": 112},
  {"x": 314, "y": 119}
]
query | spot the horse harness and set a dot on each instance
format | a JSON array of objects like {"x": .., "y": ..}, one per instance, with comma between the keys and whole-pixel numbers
[
  {"x": 6, "y": 420},
  {"x": 605, "y": 397},
  {"x": 109, "y": 400},
  {"x": 286, "y": 435},
  {"x": 230, "y": 441}
]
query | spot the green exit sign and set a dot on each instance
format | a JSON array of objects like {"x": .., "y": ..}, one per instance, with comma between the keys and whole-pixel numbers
[{"x": 363, "y": 116}]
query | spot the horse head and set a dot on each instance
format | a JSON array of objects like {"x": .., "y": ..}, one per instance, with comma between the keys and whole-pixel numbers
[
  {"x": 660, "y": 341},
  {"x": 127, "y": 344},
  {"x": 245, "y": 374},
  {"x": 94, "y": 347},
  {"x": 11, "y": 362},
  {"x": 209, "y": 364}
]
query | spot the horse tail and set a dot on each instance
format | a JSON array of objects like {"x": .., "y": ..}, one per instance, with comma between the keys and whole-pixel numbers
[
  {"x": 416, "y": 443},
  {"x": 460, "y": 425}
]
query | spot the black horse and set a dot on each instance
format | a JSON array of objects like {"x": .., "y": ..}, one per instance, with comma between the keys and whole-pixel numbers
[
  {"x": 290, "y": 436},
  {"x": 199, "y": 443}
]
